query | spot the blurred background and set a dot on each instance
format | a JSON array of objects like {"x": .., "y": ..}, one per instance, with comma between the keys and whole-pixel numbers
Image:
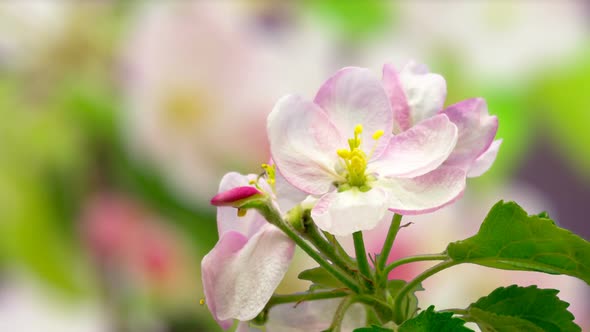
[{"x": 118, "y": 119}]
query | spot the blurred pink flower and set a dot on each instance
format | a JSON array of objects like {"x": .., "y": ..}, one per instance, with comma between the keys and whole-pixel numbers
[
  {"x": 125, "y": 238},
  {"x": 200, "y": 78}
]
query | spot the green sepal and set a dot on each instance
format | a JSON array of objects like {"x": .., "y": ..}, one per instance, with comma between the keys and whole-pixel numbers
[
  {"x": 409, "y": 304},
  {"x": 320, "y": 278}
]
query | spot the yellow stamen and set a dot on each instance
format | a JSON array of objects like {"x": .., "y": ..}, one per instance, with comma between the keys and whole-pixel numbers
[
  {"x": 270, "y": 174},
  {"x": 202, "y": 301},
  {"x": 343, "y": 153},
  {"x": 242, "y": 212},
  {"x": 356, "y": 160},
  {"x": 358, "y": 129},
  {"x": 377, "y": 135}
]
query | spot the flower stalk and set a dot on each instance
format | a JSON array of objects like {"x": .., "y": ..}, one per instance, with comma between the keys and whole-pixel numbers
[{"x": 274, "y": 217}]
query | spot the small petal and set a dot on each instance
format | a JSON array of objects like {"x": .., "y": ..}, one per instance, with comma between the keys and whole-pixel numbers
[
  {"x": 287, "y": 195},
  {"x": 343, "y": 213},
  {"x": 485, "y": 161},
  {"x": 418, "y": 150},
  {"x": 311, "y": 316},
  {"x": 355, "y": 96},
  {"x": 425, "y": 92},
  {"x": 397, "y": 99},
  {"x": 240, "y": 275},
  {"x": 303, "y": 144},
  {"x": 428, "y": 192},
  {"x": 477, "y": 130}
]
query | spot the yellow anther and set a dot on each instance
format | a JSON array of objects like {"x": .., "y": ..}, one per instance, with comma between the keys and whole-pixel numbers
[
  {"x": 202, "y": 301},
  {"x": 358, "y": 129},
  {"x": 242, "y": 212},
  {"x": 377, "y": 135},
  {"x": 357, "y": 163},
  {"x": 343, "y": 153}
]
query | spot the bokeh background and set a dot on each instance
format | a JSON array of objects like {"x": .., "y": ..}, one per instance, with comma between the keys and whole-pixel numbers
[{"x": 118, "y": 118}]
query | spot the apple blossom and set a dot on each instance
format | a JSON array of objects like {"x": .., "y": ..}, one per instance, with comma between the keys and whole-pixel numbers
[
  {"x": 417, "y": 95},
  {"x": 251, "y": 257},
  {"x": 360, "y": 178}
]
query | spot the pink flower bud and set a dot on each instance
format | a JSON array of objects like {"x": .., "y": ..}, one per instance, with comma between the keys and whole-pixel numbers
[{"x": 235, "y": 197}]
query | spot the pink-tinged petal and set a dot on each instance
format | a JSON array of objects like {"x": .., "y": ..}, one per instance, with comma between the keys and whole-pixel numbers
[
  {"x": 303, "y": 144},
  {"x": 240, "y": 275},
  {"x": 425, "y": 92},
  {"x": 356, "y": 96},
  {"x": 418, "y": 150},
  {"x": 397, "y": 99},
  {"x": 477, "y": 130},
  {"x": 428, "y": 192},
  {"x": 227, "y": 217},
  {"x": 311, "y": 316},
  {"x": 235, "y": 196},
  {"x": 228, "y": 246},
  {"x": 485, "y": 161},
  {"x": 343, "y": 213}
]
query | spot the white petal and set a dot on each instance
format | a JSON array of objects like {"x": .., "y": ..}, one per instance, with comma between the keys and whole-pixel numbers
[
  {"x": 428, "y": 192},
  {"x": 425, "y": 92},
  {"x": 239, "y": 278},
  {"x": 418, "y": 150},
  {"x": 483, "y": 163},
  {"x": 343, "y": 213},
  {"x": 303, "y": 144}
]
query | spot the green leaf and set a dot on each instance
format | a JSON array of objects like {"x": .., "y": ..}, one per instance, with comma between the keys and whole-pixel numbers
[
  {"x": 509, "y": 239},
  {"x": 321, "y": 278},
  {"x": 409, "y": 303},
  {"x": 514, "y": 308},
  {"x": 430, "y": 320},
  {"x": 373, "y": 328}
]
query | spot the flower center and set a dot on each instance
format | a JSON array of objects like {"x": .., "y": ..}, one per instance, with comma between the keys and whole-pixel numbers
[{"x": 356, "y": 160}]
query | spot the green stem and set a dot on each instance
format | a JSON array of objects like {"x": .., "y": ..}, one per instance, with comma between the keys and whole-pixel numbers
[
  {"x": 388, "y": 244},
  {"x": 313, "y": 234},
  {"x": 274, "y": 217},
  {"x": 336, "y": 325},
  {"x": 339, "y": 249},
  {"x": 397, "y": 315},
  {"x": 300, "y": 297},
  {"x": 412, "y": 259},
  {"x": 361, "y": 255}
]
